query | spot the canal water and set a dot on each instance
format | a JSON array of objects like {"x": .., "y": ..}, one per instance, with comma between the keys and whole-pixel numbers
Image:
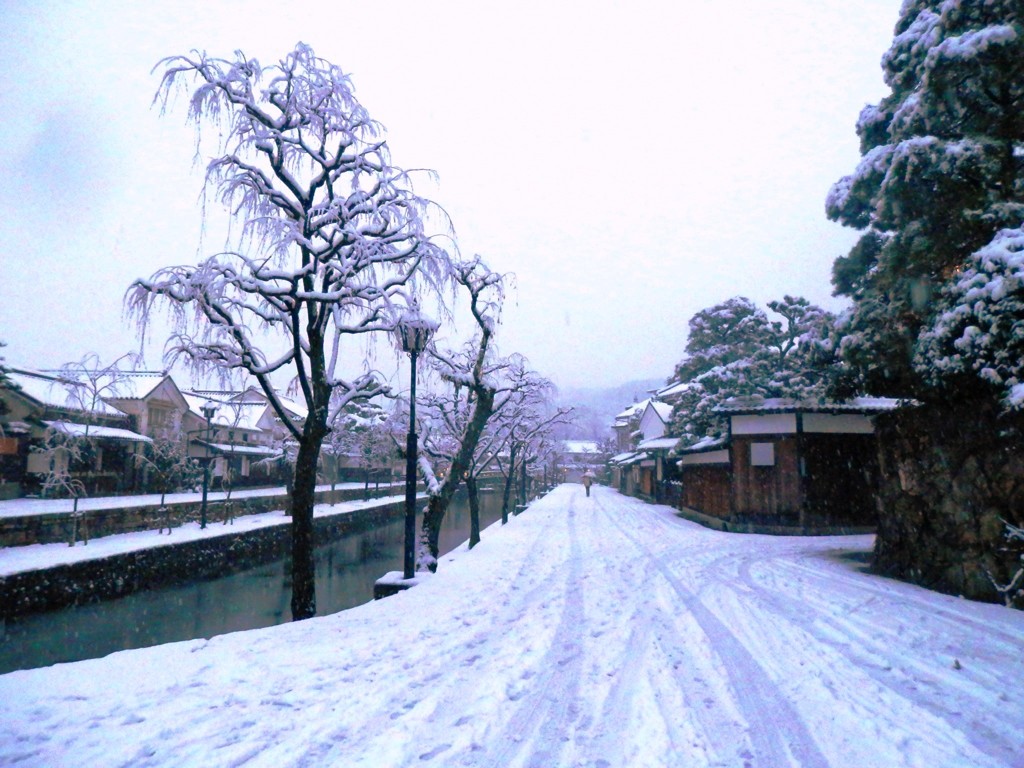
[{"x": 346, "y": 570}]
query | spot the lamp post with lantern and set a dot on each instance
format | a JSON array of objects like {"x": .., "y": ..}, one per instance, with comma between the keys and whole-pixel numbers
[
  {"x": 413, "y": 332},
  {"x": 208, "y": 408}
]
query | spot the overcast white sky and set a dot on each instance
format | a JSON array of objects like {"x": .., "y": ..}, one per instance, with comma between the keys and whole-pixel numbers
[{"x": 631, "y": 163}]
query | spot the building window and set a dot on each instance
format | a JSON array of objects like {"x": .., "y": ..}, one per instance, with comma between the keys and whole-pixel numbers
[
  {"x": 161, "y": 421},
  {"x": 762, "y": 454}
]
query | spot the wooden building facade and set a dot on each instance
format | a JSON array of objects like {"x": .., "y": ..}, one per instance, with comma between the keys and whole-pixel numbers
[{"x": 787, "y": 463}]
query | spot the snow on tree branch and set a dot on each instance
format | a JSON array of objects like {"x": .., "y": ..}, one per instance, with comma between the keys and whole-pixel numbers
[{"x": 332, "y": 236}]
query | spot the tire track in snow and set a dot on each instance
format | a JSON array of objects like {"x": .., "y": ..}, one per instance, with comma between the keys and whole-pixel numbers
[
  {"x": 879, "y": 658},
  {"x": 954, "y": 619},
  {"x": 696, "y": 722},
  {"x": 777, "y": 732},
  {"x": 547, "y": 705}
]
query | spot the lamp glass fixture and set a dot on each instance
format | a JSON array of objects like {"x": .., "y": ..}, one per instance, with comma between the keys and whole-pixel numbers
[{"x": 413, "y": 331}]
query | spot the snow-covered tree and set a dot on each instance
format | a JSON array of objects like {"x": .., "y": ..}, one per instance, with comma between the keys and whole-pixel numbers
[
  {"x": 362, "y": 431},
  {"x": 942, "y": 177},
  {"x": 168, "y": 467},
  {"x": 936, "y": 284},
  {"x": 473, "y": 374},
  {"x": 976, "y": 341},
  {"x": 524, "y": 417},
  {"x": 722, "y": 334},
  {"x": 735, "y": 348},
  {"x": 331, "y": 231}
]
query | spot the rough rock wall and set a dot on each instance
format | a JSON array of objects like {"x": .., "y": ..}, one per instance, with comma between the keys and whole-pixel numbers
[{"x": 950, "y": 476}]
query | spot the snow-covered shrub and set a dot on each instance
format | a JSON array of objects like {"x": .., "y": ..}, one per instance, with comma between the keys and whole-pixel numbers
[{"x": 1012, "y": 591}]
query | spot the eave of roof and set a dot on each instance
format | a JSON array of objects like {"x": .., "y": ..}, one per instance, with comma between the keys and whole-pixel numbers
[{"x": 757, "y": 405}]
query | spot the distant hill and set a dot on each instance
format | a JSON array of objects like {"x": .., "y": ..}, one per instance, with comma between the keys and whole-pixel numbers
[{"x": 596, "y": 406}]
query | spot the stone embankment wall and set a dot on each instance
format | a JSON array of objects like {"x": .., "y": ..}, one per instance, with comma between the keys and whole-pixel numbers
[
  {"x": 48, "y": 528},
  {"x": 172, "y": 563},
  {"x": 950, "y": 476}
]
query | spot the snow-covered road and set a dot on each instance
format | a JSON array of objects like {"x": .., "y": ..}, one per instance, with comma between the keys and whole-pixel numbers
[{"x": 593, "y": 631}]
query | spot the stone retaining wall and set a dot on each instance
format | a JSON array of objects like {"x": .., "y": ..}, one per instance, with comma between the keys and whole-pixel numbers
[
  {"x": 172, "y": 563},
  {"x": 733, "y": 526},
  {"x": 952, "y": 477},
  {"x": 53, "y": 527}
]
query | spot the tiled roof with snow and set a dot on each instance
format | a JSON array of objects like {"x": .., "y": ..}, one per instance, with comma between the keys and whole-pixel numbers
[
  {"x": 619, "y": 458},
  {"x": 757, "y": 404},
  {"x": 239, "y": 415},
  {"x": 136, "y": 385},
  {"x": 633, "y": 410},
  {"x": 51, "y": 390},
  {"x": 240, "y": 449},
  {"x": 94, "y": 430},
  {"x": 673, "y": 389},
  {"x": 658, "y": 444},
  {"x": 705, "y": 444}
]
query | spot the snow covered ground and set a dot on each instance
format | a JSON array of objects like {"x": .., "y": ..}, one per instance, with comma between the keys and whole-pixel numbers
[
  {"x": 588, "y": 632},
  {"x": 32, "y": 506}
]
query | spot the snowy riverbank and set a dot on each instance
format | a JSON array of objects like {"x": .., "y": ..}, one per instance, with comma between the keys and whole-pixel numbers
[
  {"x": 589, "y": 631},
  {"x": 41, "y": 556}
]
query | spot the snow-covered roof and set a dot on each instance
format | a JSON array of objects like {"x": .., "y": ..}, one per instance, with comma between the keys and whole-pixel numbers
[
  {"x": 638, "y": 456},
  {"x": 757, "y": 404},
  {"x": 50, "y": 389},
  {"x": 95, "y": 430},
  {"x": 633, "y": 410},
  {"x": 581, "y": 446},
  {"x": 673, "y": 389},
  {"x": 619, "y": 458},
  {"x": 705, "y": 444},
  {"x": 251, "y": 397},
  {"x": 196, "y": 401},
  {"x": 658, "y": 444},
  {"x": 240, "y": 449},
  {"x": 136, "y": 385},
  {"x": 239, "y": 415}
]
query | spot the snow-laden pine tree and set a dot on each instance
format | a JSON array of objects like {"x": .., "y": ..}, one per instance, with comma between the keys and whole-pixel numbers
[
  {"x": 734, "y": 349},
  {"x": 331, "y": 237},
  {"x": 937, "y": 281},
  {"x": 940, "y": 181}
]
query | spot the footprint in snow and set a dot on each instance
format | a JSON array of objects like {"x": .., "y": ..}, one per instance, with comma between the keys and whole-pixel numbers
[{"x": 439, "y": 749}]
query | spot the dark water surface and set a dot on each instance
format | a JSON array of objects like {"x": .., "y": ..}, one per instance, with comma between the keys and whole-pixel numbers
[{"x": 259, "y": 597}]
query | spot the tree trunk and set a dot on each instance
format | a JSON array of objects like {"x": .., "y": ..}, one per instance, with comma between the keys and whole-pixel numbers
[
  {"x": 303, "y": 497},
  {"x": 439, "y": 502},
  {"x": 507, "y": 493},
  {"x": 474, "y": 511}
]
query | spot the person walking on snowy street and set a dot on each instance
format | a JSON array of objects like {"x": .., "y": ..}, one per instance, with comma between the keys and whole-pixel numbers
[{"x": 588, "y": 479}]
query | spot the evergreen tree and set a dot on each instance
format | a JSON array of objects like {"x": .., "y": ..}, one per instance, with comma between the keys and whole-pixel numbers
[
  {"x": 939, "y": 194},
  {"x": 937, "y": 283},
  {"x": 734, "y": 349}
]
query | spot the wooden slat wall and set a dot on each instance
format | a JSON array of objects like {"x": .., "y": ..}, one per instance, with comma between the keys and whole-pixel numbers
[
  {"x": 766, "y": 491},
  {"x": 706, "y": 488}
]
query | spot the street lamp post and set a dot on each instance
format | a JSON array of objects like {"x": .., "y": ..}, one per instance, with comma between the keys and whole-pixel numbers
[
  {"x": 413, "y": 332},
  {"x": 208, "y": 410}
]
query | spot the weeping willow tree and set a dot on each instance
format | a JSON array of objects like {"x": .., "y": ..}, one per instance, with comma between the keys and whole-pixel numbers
[{"x": 332, "y": 236}]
